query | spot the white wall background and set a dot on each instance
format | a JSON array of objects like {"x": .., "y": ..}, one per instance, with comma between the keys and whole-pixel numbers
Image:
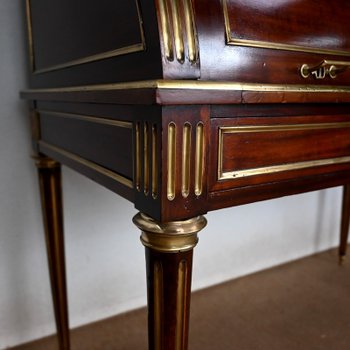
[{"x": 104, "y": 257}]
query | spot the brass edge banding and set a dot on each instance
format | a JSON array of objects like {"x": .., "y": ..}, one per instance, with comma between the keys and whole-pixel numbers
[
  {"x": 171, "y": 168},
  {"x": 167, "y": 35},
  {"x": 280, "y": 168},
  {"x": 177, "y": 28},
  {"x": 197, "y": 85},
  {"x": 270, "y": 45},
  {"x": 169, "y": 237},
  {"x": 108, "y": 54},
  {"x": 229, "y": 175},
  {"x": 199, "y": 163},
  {"x": 97, "y": 120},
  {"x": 186, "y": 161},
  {"x": 121, "y": 179},
  {"x": 138, "y": 156}
]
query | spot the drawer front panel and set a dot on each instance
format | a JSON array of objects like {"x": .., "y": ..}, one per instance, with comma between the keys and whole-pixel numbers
[
  {"x": 249, "y": 154},
  {"x": 105, "y": 142}
]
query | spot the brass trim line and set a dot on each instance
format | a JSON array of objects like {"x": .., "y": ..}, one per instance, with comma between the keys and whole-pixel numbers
[
  {"x": 146, "y": 166},
  {"x": 197, "y": 85},
  {"x": 165, "y": 23},
  {"x": 171, "y": 176},
  {"x": 169, "y": 237},
  {"x": 186, "y": 161},
  {"x": 92, "y": 58},
  {"x": 199, "y": 163},
  {"x": 43, "y": 162},
  {"x": 138, "y": 156},
  {"x": 86, "y": 118},
  {"x": 154, "y": 162},
  {"x": 229, "y": 175},
  {"x": 270, "y": 45},
  {"x": 98, "y": 168}
]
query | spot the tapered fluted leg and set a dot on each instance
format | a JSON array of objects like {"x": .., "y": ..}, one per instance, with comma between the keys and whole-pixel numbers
[
  {"x": 51, "y": 199},
  {"x": 169, "y": 251},
  {"x": 345, "y": 219}
]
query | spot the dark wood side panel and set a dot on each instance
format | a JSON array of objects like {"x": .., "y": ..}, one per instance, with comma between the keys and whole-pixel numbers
[
  {"x": 99, "y": 140},
  {"x": 64, "y": 32},
  {"x": 67, "y": 53}
]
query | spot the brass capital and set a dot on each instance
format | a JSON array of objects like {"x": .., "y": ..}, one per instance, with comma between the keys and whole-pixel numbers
[
  {"x": 45, "y": 162},
  {"x": 169, "y": 237}
]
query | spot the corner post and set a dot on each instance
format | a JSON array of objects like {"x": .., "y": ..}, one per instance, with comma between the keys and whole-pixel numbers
[
  {"x": 49, "y": 172},
  {"x": 169, "y": 252}
]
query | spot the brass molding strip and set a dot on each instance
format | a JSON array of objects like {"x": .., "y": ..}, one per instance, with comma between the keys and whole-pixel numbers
[
  {"x": 229, "y": 175},
  {"x": 98, "y": 168},
  {"x": 96, "y": 120},
  {"x": 165, "y": 23},
  {"x": 190, "y": 31},
  {"x": 180, "y": 301},
  {"x": 196, "y": 85},
  {"x": 178, "y": 30},
  {"x": 199, "y": 162},
  {"x": 171, "y": 168},
  {"x": 169, "y": 237},
  {"x": 97, "y": 57},
  {"x": 158, "y": 304},
  {"x": 270, "y": 45},
  {"x": 146, "y": 158},
  {"x": 138, "y": 164},
  {"x": 186, "y": 160},
  {"x": 154, "y": 162}
]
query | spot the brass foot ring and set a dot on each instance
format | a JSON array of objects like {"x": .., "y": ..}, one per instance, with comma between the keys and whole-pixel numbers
[{"x": 169, "y": 237}]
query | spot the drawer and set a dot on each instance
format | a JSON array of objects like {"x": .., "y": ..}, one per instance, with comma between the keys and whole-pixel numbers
[
  {"x": 251, "y": 151},
  {"x": 84, "y": 138},
  {"x": 280, "y": 42}
]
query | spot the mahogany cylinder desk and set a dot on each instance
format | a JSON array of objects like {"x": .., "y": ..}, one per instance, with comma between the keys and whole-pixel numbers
[{"x": 183, "y": 107}]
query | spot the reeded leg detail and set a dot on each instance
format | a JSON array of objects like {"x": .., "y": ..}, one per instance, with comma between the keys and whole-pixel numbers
[
  {"x": 169, "y": 251},
  {"x": 49, "y": 173},
  {"x": 345, "y": 219}
]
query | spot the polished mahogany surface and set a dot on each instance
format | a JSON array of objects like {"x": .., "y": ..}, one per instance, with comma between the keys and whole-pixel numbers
[{"x": 187, "y": 106}]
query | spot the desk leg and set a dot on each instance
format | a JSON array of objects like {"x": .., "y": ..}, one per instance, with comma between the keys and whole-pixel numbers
[
  {"x": 345, "y": 219},
  {"x": 169, "y": 251},
  {"x": 49, "y": 173}
]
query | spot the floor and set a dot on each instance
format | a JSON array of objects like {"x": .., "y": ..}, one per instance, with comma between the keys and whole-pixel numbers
[{"x": 303, "y": 305}]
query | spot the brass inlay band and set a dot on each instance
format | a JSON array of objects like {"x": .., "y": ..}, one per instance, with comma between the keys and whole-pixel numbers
[
  {"x": 229, "y": 175},
  {"x": 171, "y": 183},
  {"x": 199, "y": 165},
  {"x": 196, "y": 85},
  {"x": 190, "y": 31},
  {"x": 177, "y": 27},
  {"x": 91, "y": 119},
  {"x": 154, "y": 162},
  {"x": 186, "y": 160},
  {"x": 146, "y": 159},
  {"x": 271, "y": 45},
  {"x": 169, "y": 237},
  {"x": 167, "y": 35},
  {"x": 180, "y": 302},
  {"x": 45, "y": 162},
  {"x": 98, "y": 168},
  {"x": 158, "y": 305},
  {"x": 138, "y": 156},
  {"x": 97, "y": 57}
]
